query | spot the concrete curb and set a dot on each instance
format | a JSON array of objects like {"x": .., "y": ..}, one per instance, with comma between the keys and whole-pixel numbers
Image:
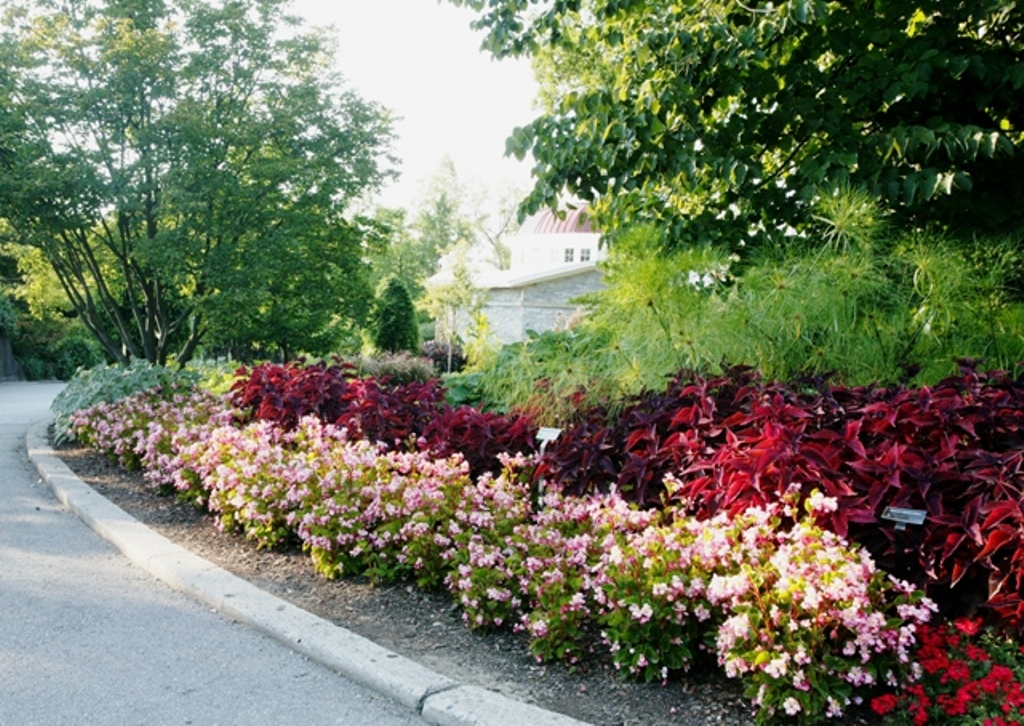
[{"x": 436, "y": 698}]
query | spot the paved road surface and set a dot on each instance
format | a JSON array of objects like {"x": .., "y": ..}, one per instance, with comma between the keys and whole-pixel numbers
[{"x": 86, "y": 638}]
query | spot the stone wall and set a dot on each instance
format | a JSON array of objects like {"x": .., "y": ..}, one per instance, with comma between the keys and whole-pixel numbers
[
  {"x": 10, "y": 369},
  {"x": 504, "y": 311},
  {"x": 542, "y": 306}
]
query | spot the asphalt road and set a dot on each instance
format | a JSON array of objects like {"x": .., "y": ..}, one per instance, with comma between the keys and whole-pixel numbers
[{"x": 87, "y": 638}]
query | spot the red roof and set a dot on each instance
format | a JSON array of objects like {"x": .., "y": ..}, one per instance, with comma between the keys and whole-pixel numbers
[{"x": 547, "y": 222}]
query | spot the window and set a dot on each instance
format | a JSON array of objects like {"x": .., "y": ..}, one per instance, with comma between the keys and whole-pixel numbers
[
  {"x": 585, "y": 254},
  {"x": 570, "y": 254}
]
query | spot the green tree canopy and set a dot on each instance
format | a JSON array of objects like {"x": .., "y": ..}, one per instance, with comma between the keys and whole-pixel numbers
[
  {"x": 8, "y": 316},
  {"x": 722, "y": 120},
  {"x": 186, "y": 167},
  {"x": 395, "y": 249}
]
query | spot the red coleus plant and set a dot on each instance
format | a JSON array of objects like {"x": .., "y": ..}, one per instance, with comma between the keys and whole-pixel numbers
[
  {"x": 283, "y": 394},
  {"x": 377, "y": 410},
  {"x": 479, "y": 436},
  {"x": 954, "y": 450},
  {"x": 964, "y": 675}
]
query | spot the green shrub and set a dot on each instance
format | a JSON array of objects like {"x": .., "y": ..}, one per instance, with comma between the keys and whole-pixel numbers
[
  {"x": 553, "y": 375},
  {"x": 213, "y": 375},
  {"x": 465, "y": 388},
  {"x": 73, "y": 353},
  {"x": 53, "y": 347},
  {"x": 394, "y": 323},
  {"x": 36, "y": 369},
  {"x": 108, "y": 384}
]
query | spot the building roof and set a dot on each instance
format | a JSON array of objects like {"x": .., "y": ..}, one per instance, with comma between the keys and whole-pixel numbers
[
  {"x": 506, "y": 279},
  {"x": 577, "y": 220},
  {"x": 532, "y": 246}
]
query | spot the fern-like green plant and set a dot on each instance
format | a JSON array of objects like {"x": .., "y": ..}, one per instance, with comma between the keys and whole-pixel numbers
[{"x": 855, "y": 302}]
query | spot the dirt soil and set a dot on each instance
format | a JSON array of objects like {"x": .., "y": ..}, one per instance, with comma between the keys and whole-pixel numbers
[{"x": 427, "y": 627}]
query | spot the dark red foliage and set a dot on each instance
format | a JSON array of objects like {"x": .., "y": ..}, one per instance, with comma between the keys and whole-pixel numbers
[
  {"x": 370, "y": 408},
  {"x": 479, "y": 436},
  {"x": 284, "y": 394},
  {"x": 655, "y": 434},
  {"x": 378, "y": 410},
  {"x": 444, "y": 356},
  {"x": 954, "y": 450}
]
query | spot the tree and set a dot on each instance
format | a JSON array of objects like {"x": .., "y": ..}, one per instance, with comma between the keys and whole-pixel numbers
[
  {"x": 494, "y": 222},
  {"x": 441, "y": 223},
  {"x": 8, "y": 317},
  {"x": 395, "y": 250},
  {"x": 309, "y": 294},
  {"x": 185, "y": 166},
  {"x": 395, "y": 327},
  {"x": 33, "y": 282},
  {"x": 453, "y": 300},
  {"x": 723, "y": 120},
  {"x": 448, "y": 215},
  {"x": 451, "y": 213}
]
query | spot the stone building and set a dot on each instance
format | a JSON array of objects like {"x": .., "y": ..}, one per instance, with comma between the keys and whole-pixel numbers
[{"x": 553, "y": 261}]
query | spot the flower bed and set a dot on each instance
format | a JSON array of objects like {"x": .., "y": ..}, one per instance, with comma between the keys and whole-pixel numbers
[{"x": 805, "y": 620}]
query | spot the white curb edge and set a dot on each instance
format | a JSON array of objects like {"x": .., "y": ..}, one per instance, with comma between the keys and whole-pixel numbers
[{"x": 436, "y": 698}]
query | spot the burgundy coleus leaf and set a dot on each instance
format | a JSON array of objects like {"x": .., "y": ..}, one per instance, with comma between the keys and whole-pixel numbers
[
  {"x": 953, "y": 542},
  {"x": 645, "y": 436},
  {"x": 879, "y": 492},
  {"x": 880, "y": 417},
  {"x": 851, "y": 437},
  {"x": 737, "y": 420},
  {"x": 689, "y": 416},
  {"x": 996, "y": 512},
  {"x": 959, "y": 569},
  {"x": 824, "y": 449},
  {"x": 997, "y": 538},
  {"x": 997, "y": 582},
  {"x": 969, "y": 520}
]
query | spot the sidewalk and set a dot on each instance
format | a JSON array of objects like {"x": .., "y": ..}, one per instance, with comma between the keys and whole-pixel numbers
[{"x": 167, "y": 659}]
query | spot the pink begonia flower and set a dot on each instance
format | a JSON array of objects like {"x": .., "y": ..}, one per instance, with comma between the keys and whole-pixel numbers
[
  {"x": 791, "y": 706},
  {"x": 818, "y": 503}
]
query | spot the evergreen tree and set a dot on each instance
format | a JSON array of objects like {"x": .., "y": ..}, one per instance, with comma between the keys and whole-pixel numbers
[{"x": 395, "y": 326}]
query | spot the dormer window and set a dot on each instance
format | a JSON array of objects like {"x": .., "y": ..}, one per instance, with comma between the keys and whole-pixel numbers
[{"x": 570, "y": 254}]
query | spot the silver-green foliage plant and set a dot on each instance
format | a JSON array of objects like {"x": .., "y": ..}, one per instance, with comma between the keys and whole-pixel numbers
[
  {"x": 400, "y": 368},
  {"x": 107, "y": 384},
  {"x": 215, "y": 376}
]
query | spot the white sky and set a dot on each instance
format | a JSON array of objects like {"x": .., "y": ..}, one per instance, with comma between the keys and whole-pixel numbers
[{"x": 421, "y": 59}]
